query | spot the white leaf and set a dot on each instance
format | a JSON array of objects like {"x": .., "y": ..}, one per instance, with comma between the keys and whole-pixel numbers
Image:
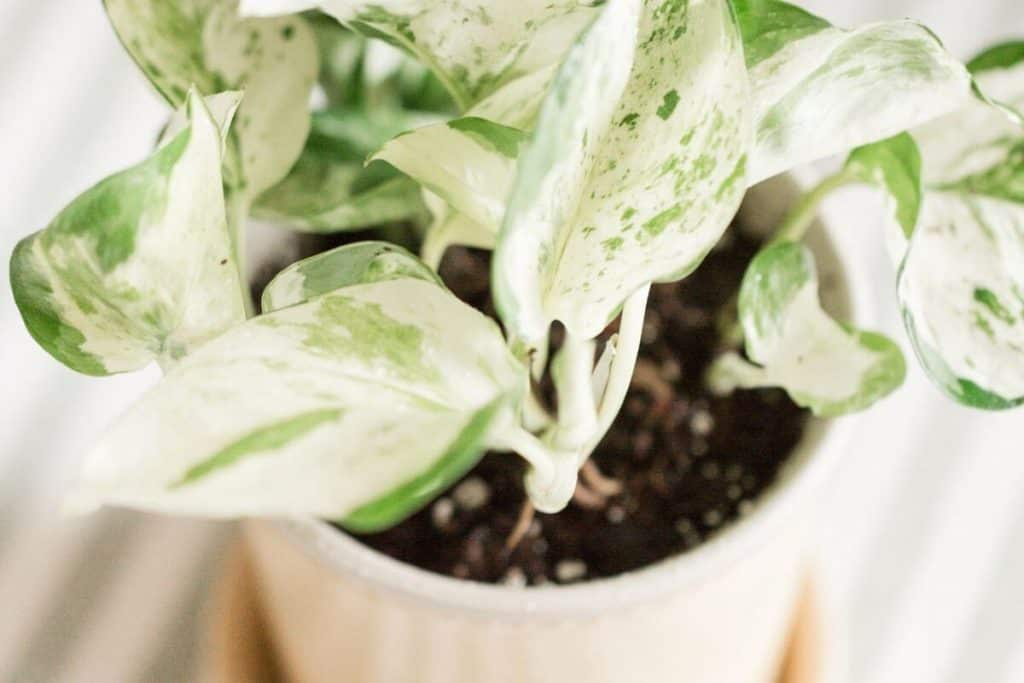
[
  {"x": 823, "y": 365},
  {"x": 961, "y": 287},
  {"x": 619, "y": 186},
  {"x": 138, "y": 267},
  {"x": 819, "y": 90},
  {"x": 468, "y": 162},
  {"x": 473, "y": 46},
  {"x": 351, "y": 264},
  {"x": 357, "y": 406},
  {"x": 205, "y": 43}
]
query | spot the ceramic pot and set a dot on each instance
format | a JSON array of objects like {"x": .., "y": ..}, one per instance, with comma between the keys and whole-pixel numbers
[{"x": 721, "y": 613}]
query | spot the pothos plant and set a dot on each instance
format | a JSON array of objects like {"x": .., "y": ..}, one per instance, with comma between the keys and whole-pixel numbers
[{"x": 597, "y": 148}]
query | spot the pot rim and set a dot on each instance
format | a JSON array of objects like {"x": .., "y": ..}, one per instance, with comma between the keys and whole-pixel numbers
[{"x": 804, "y": 472}]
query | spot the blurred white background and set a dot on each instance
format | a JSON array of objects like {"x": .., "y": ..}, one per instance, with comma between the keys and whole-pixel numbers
[{"x": 921, "y": 555}]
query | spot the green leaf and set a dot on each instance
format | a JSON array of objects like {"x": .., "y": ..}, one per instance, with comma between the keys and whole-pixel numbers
[
  {"x": 819, "y": 90},
  {"x": 825, "y": 366},
  {"x": 358, "y": 405},
  {"x": 205, "y": 43},
  {"x": 138, "y": 267},
  {"x": 961, "y": 289},
  {"x": 351, "y": 264},
  {"x": 330, "y": 188},
  {"x": 893, "y": 164},
  {"x": 1002, "y": 56},
  {"x": 468, "y": 162},
  {"x": 634, "y": 170},
  {"x": 473, "y": 46}
]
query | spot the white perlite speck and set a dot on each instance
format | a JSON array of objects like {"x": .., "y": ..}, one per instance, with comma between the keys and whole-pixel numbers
[
  {"x": 441, "y": 512},
  {"x": 472, "y": 493},
  {"x": 702, "y": 423},
  {"x": 712, "y": 518},
  {"x": 615, "y": 514},
  {"x": 570, "y": 570},
  {"x": 514, "y": 577}
]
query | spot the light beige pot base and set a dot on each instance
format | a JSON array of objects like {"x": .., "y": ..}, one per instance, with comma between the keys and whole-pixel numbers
[{"x": 237, "y": 647}]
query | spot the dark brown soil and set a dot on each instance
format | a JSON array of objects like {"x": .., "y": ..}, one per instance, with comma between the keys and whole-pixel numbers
[{"x": 689, "y": 463}]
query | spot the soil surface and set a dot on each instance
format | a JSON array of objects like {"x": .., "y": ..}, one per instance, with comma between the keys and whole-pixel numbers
[{"x": 677, "y": 466}]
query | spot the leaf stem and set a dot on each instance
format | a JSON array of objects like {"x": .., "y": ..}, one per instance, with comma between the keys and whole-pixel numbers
[
  {"x": 572, "y": 372},
  {"x": 799, "y": 218},
  {"x": 620, "y": 374},
  {"x": 551, "y": 478}
]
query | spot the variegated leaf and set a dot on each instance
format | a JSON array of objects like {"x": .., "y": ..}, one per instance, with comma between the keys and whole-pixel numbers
[
  {"x": 351, "y": 264},
  {"x": 893, "y": 164},
  {"x": 330, "y": 188},
  {"x": 222, "y": 108},
  {"x": 138, "y": 267},
  {"x": 205, "y": 43},
  {"x": 359, "y": 405},
  {"x": 961, "y": 280},
  {"x": 819, "y": 90},
  {"x": 473, "y": 46},
  {"x": 634, "y": 170},
  {"x": 824, "y": 366},
  {"x": 468, "y": 162},
  {"x": 961, "y": 288}
]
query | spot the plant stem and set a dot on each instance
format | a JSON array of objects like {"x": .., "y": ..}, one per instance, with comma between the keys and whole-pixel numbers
[
  {"x": 631, "y": 325},
  {"x": 800, "y": 217},
  {"x": 572, "y": 371},
  {"x": 535, "y": 416},
  {"x": 551, "y": 478},
  {"x": 529, "y": 448},
  {"x": 435, "y": 242}
]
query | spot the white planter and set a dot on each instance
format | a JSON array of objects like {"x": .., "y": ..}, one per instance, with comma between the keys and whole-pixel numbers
[{"x": 338, "y": 611}]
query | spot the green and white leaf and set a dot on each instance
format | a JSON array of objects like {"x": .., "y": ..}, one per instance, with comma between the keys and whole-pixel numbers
[
  {"x": 331, "y": 189},
  {"x": 961, "y": 288},
  {"x": 619, "y": 186},
  {"x": 351, "y": 264},
  {"x": 962, "y": 259},
  {"x": 819, "y": 90},
  {"x": 222, "y": 108},
  {"x": 139, "y": 267},
  {"x": 205, "y": 43},
  {"x": 468, "y": 162},
  {"x": 825, "y": 366},
  {"x": 894, "y": 166},
  {"x": 359, "y": 405},
  {"x": 473, "y": 46}
]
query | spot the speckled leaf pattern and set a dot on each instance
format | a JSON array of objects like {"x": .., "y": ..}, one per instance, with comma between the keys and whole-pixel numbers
[
  {"x": 628, "y": 178},
  {"x": 351, "y": 264},
  {"x": 330, "y": 188},
  {"x": 468, "y": 162},
  {"x": 825, "y": 366},
  {"x": 382, "y": 395},
  {"x": 961, "y": 282},
  {"x": 138, "y": 267},
  {"x": 473, "y": 46},
  {"x": 204, "y": 42},
  {"x": 819, "y": 90}
]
